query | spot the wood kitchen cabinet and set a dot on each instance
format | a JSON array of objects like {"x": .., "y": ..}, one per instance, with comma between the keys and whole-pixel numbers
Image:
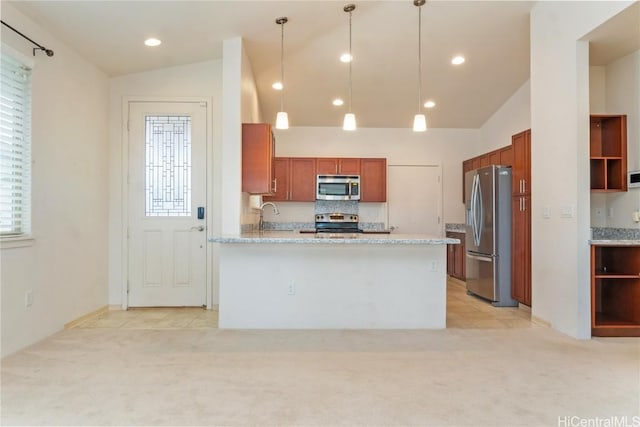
[
  {"x": 521, "y": 218},
  {"x": 615, "y": 291},
  {"x": 456, "y": 256},
  {"x": 373, "y": 180},
  {"x": 341, "y": 166},
  {"x": 608, "y": 152},
  {"x": 295, "y": 179},
  {"x": 258, "y": 148}
]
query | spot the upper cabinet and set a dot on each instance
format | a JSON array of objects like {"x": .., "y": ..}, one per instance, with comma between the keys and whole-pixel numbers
[
  {"x": 608, "y": 152},
  {"x": 295, "y": 179},
  {"x": 258, "y": 148},
  {"x": 373, "y": 180},
  {"x": 340, "y": 166}
]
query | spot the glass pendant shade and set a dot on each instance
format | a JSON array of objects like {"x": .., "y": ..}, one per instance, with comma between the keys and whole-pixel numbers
[
  {"x": 349, "y": 122},
  {"x": 282, "y": 120},
  {"x": 419, "y": 123}
]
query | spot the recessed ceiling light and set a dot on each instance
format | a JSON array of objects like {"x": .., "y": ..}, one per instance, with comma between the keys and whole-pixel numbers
[
  {"x": 457, "y": 60},
  {"x": 152, "y": 42},
  {"x": 277, "y": 86},
  {"x": 429, "y": 104},
  {"x": 337, "y": 102},
  {"x": 345, "y": 57}
]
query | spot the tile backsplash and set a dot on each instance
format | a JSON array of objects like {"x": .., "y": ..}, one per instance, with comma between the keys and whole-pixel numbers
[{"x": 342, "y": 206}]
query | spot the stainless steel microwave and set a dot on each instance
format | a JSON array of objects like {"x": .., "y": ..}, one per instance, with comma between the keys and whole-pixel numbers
[{"x": 338, "y": 187}]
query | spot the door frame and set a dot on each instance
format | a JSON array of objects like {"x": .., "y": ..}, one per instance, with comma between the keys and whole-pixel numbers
[
  {"x": 124, "y": 176},
  {"x": 441, "y": 226}
]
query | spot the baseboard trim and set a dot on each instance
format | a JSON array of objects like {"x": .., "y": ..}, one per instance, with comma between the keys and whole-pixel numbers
[
  {"x": 540, "y": 322},
  {"x": 86, "y": 317}
]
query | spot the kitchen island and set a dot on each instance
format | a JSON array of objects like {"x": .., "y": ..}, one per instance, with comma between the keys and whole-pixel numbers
[{"x": 290, "y": 280}]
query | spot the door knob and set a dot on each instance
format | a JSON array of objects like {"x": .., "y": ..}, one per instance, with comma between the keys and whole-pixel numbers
[{"x": 198, "y": 227}]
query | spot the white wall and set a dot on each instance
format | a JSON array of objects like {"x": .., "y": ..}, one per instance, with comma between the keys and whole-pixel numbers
[
  {"x": 66, "y": 268},
  {"x": 615, "y": 89},
  {"x": 560, "y": 160},
  {"x": 513, "y": 117},
  {"x": 196, "y": 80},
  {"x": 446, "y": 147},
  {"x": 623, "y": 97}
]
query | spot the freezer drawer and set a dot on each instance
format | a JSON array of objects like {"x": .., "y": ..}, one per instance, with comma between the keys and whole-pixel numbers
[{"x": 481, "y": 276}]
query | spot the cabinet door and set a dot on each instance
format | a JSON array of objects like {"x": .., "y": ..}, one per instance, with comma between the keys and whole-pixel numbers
[
  {"x": 506, "y": 156},
  {"x": 451, "y": 260},
  {"x": 485, "y": 160},
  {"x": 257, "y": 156},
  {"x": 326, "y": 166},
  {"x": 373, "y": 180},
  {"x": 494, "y": 157},
  {"x": 521, "y": 168},
  {"x": 302, "y": 180},
  {"x": 521, "y": 249},
  {"x": 349, "y": 166},
  {"x": 281, "y": 180},
  {"x": 461, "y": 255}
]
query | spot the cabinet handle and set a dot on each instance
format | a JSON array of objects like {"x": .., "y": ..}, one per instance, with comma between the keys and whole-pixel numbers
[
  {"x": 521, "y": 200},
  {"x": 524, "y": 185},
  {"x": 275, "y": 185},
  {"x": 524, "y": 204}
]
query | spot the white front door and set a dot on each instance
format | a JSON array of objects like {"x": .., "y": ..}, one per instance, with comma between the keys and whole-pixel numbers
[
  {"x": 415, "y": 199},
  {"x": 167, "y": 200}
]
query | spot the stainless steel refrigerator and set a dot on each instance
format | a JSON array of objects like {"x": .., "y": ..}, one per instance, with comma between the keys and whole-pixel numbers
[{"x": 488, "y": 234}]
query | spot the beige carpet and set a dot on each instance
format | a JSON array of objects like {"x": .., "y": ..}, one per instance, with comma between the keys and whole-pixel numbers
[{"x": 453, "y": 377}]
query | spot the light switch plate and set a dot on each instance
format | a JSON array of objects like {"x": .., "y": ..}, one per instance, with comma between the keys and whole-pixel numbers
[
  {"x": 546, "y": 212},
  {"x": 566, "y": 211}
]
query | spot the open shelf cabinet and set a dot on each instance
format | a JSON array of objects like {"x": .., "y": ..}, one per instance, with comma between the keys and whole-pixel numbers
[
  {"x": 615, "y": 290},
  {"x": 608, "y": 152}
]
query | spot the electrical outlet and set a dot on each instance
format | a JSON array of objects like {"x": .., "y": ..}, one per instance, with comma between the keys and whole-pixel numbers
[
  {"x": 291, "y": 289},
  {"x": 434, "y": 265},
  {"x": 599, "y": 212},
  {"x": 567, "y": 211},
  {"x": 636, "y": 216},
  {"x": 28, "y": 298},
  {"x": 546, "y": 212},
  {"x": 610, "y": 214}
]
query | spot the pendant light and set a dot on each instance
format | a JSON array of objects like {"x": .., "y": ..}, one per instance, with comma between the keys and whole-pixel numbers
[
  {"x": 419, "y": 120},
  {"x": 282, "y": 118},
  {"x": 349, "y": 118}
]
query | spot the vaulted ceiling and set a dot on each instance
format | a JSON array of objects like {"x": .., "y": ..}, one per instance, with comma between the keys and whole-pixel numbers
[{"x": 492, "y": 35}]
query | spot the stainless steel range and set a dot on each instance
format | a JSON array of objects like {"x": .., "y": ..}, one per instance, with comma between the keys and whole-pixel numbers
[{"x": 337, "y": 223}]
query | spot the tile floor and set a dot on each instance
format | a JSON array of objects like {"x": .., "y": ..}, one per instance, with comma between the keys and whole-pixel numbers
[{"x": 463, "y": 312}]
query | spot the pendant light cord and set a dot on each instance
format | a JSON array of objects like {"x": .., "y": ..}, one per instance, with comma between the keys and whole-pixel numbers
[
  {"x": 350, "y": 61},
  {"x": 282, "y": 64},
  {"x": 419, "y": 59}
]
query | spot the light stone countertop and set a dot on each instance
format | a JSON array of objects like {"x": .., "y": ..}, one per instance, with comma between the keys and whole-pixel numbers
[
  {"x": 618, "y": 242},
  {"x": 331, "y": 238},
  {"x": 455, "y": 228}
]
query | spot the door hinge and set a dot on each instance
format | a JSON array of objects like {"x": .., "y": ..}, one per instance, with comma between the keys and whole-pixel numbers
[
  {"x": 438, "y": 220},
  {"x": 128, "y": 126},
  {"x": 438, "y": 178},
  {"x": 127, "y": 286}
]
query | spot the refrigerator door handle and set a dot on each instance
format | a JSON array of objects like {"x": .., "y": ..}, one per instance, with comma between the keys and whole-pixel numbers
[
  {"x": 480, "y": 258},
  {"x": 480, "y": 212}
]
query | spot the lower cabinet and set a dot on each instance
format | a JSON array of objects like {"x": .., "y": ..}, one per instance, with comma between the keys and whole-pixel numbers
[
  {"x": 456, "y": 256},
  {"x": 615, "y": 291}
]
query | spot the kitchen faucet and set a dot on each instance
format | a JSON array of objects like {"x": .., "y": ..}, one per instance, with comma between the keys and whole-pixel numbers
[{"x": 275, "y": 211}]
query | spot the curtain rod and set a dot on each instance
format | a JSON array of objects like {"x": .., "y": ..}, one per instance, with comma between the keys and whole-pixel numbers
[{"x": 49, "y": 52}]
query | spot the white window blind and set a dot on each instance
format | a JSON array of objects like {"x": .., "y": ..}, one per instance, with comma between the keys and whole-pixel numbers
[{"x": 15, "y": 148}]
